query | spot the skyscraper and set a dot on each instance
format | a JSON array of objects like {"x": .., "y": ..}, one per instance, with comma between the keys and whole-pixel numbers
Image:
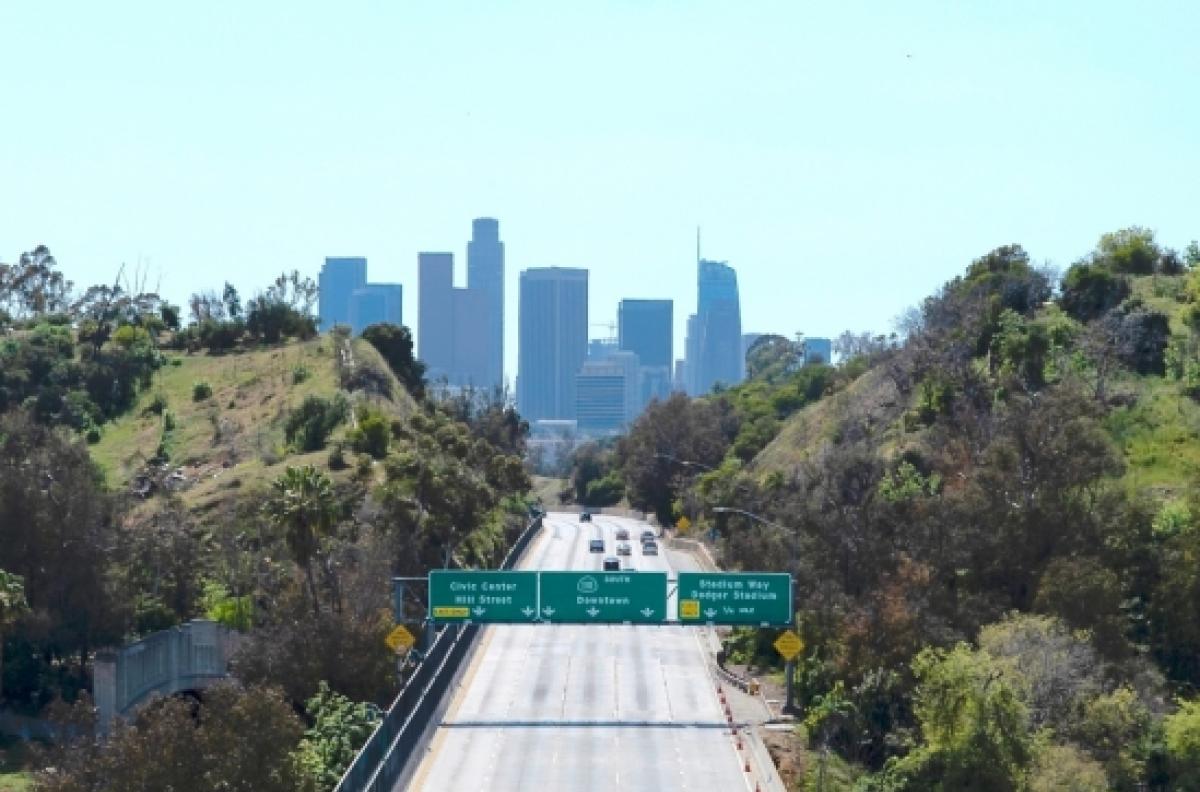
[
  {"x": 339, "y": 279},
  {"x": 485, "y": 273},
  {"x": 376, "y": 303},
  {"x": 607, "y": 394},
  {"x": 646, "y": 328},
  {"x": 435, "y": 313},
  {"x": 719, "y": 327},
  {"x": 553, "y": 327}
]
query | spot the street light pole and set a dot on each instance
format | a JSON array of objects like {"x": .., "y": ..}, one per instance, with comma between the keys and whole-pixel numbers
[{"x": 789, "y": 705}]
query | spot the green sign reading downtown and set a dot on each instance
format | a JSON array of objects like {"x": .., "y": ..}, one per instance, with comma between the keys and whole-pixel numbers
[
  {"x": 483, "y": 596},
  {"x": 735, "y": 598},
  {"x": 636, "y": 597}
]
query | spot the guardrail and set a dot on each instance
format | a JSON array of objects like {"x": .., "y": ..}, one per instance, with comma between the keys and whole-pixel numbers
[{"x": 384, "y": 757}]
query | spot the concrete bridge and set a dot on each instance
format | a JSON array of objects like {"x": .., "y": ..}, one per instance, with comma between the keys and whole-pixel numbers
[{"x": 190, "y": 657}]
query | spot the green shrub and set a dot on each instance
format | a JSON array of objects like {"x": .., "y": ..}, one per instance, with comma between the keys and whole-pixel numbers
[
  {"x": 201, "y": 390},
  {"x": 300, "y": 373},
  {"x": 93, "y": 435},
  {"x": 157, "y": 404},
  {"x": 373, "y": 434},
  {"x": 308, "y": 427}
]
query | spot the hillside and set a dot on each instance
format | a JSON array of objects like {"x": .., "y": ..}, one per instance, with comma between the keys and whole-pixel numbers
[
  {"x": 234, "y": 438},
  {"x": 1151, "y": 420}
]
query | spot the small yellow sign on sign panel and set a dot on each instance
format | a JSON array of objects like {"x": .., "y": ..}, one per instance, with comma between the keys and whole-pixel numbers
[
  {"x": 689, "y": 609},
  {"x": 789, "y": 645},
  {"x": 399, "y": 637},
  {"x": 451, "y": 612}
]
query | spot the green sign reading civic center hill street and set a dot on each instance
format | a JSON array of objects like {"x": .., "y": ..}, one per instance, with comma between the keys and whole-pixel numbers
[
  {"x": 735, "y": 598},
  {"x": 604, "y": 597},
  {"x": 483, "y": 596}
]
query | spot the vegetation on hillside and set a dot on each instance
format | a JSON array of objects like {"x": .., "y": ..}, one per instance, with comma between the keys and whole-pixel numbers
[
  {"x": 993, "y": 524},
  {"x": 239, "y": 468}
]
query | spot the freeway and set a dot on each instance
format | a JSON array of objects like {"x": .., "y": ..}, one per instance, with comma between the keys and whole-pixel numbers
[{"x": 567, "y": 707}]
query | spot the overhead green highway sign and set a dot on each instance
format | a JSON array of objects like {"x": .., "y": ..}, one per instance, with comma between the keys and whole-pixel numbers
[
  {"x": 483, "y": 596},
  {"x": 759, "y": 598},
  {"x": 604, "y": 597}
]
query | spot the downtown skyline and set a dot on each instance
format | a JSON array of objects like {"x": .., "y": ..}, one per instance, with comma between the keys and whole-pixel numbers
[{"x": 804, "y": 139}]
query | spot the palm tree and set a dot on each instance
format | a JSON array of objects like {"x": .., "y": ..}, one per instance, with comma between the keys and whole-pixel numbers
[
  {"x": 302, "y": 503},
  {"x": 12, "y": 606}
]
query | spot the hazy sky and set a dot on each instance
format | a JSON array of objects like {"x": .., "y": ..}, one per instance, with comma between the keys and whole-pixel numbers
[{"x": 845, "y": 157}]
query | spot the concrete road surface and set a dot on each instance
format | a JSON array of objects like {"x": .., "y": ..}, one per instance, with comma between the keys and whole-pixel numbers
[{"x": 562, "y": 707}]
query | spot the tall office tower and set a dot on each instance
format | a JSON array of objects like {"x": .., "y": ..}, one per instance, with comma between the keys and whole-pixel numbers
[
  {"x": 553, "y": 324},
  {"x": 691, "y": 356},
  {"x": 376, "y": 303},
  {"x": 339, "y": 279},
  {"x": 719, "y": 322},
  {"x": 485, "y": 273},
  {"x": 646, "y": 328},
  {"x": 818, "y": 350},
  {"x": 607, "y": 394},
  {"x": 435, "y": 313},
  {"x": 470, "y": 352}
]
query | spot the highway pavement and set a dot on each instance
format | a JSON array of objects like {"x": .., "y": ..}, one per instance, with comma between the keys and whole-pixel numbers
[{"x": 587, "y": 707}]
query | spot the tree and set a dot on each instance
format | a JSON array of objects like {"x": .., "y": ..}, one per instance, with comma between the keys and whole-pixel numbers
[
  {"x": 302, "y": 504},
  {"x": 12, "y": 607},
  {"x": 238, "y": 740},
  {"x": 232, "y": 301},
  {"x": 772, "y": 357},
  {"x": 33, "y": 286},
  {"x": 973, "y": 726},
  {"x": 1091, "y": 289},
  {"x": 1182, "y": 733},
  {"x": 671, "y": 440},
  {"x": 1131, "y": 251},
  {"x": 395, "y": 343},
  {"x": 340, "y": 727}
]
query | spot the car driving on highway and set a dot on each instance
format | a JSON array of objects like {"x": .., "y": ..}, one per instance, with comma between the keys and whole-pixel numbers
[{"x": 596, "y": 546}]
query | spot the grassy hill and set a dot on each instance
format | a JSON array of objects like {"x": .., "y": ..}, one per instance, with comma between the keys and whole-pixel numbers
[
  {"x": 234, "y": 438},
  {"x": 1154, "y": 424}
]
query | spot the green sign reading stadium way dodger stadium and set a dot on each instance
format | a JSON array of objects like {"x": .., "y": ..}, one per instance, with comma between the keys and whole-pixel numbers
[
  {"x": 735, "y": 598},
  {"x": 483, "y": 596}
]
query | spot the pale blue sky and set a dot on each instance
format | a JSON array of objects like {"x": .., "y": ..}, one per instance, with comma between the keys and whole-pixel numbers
[{"x": 842, "y": 178}]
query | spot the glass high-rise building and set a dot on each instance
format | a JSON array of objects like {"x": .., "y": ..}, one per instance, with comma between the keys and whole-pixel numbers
[
  {"x": 339, "y": 279},
  {"x": 647, "y": 329},
  {"x": 376, "y": 303},
  {"x": 718, "y": 344},
  {"x": 485, "y": 273},
  {"x": 435, "y": 313},
  {"x": 553, "y": 327}
]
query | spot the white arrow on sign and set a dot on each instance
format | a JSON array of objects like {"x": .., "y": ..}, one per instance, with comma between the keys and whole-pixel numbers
[
  {"x": 593, "y": 611},
  {"x": 548, "y": 612},
  {"x": 480, "y": 611},
  {"x": 711, "y": 612},
  {"x": 528, "y": 611},
  {"x": 647, "y": 612}
]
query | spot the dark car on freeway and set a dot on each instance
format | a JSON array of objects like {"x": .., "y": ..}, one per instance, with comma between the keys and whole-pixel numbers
[
  {"x": 612, "y": 564},
  {"x": 585, "y": 516},
  {"x": 596, "y": 546}
]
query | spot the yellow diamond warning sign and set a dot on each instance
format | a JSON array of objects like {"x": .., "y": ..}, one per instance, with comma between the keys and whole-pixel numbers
[
  {"x": 789, "y": 645},
  {"x": 399, "y": 637}
]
